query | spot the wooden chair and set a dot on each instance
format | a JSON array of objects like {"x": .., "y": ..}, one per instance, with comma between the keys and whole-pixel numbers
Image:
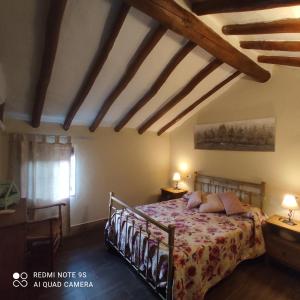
[{"x": 44, "y": 236}]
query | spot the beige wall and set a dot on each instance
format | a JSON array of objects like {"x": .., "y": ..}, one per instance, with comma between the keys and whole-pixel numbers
[
  {"x": 278, "y": 98},
  {"x": 135, "y": 166},
  {"x": 131, "y": 165}
]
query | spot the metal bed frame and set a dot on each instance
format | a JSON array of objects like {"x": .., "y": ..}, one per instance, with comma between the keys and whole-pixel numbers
[
  {"x": 248, "y": 192},
  {"x": 252, "y": 193},
  {"x": 169, "y": 230}
]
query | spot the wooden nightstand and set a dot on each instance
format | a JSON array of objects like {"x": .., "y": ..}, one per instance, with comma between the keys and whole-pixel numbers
[
  {"x": 171, "y": 193},
  {"x": 283, "y": 241}
]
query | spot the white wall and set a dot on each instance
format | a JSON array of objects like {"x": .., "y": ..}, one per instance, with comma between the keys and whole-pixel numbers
[
  {"x": 131, "y": 165},
  {"x": 247, "y": 99}
]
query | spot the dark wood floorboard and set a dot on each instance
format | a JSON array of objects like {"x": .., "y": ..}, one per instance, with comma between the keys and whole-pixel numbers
[{"x": 113, "y": 279}]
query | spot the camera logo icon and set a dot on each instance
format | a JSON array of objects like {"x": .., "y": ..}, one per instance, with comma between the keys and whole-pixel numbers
[{"x": 20, "y": 279}]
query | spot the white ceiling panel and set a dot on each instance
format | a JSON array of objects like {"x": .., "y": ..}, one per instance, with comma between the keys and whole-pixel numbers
[{"x": 85, "y": 27}]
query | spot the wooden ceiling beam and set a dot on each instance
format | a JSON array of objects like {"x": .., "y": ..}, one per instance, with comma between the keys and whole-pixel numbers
[
  {"x": 162, "y": 78},
  {"x": 198, "y": 102},
  {"x": 143, "y": 51},
  {"x": 279, "y": 26},
  {"x": 271, "y": 45},
  {"x": 280, "y": 60},
  {"x": 181, "y": 95},
  {"x": 96, "y": 68},
  {"x": 54, "y": 19},
  {"x": 205, "y": 7},
  {"x": 186, "y": 24}
]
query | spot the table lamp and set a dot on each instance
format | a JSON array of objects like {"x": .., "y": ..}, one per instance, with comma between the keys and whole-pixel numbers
[
  {"x": 289, "y": 202},
  {"x": 176, "y": 178}
]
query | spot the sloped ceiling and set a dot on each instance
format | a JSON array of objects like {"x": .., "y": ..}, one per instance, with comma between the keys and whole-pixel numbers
[{"x": 84, "y": 27}]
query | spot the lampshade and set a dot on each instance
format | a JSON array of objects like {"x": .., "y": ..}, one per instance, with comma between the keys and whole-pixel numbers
[
  {"x": 176, "y": 176},
  {"x": 290, "y": 202}
]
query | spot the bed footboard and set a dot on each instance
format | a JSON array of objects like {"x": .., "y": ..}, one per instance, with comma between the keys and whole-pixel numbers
[{"x": 117, "y": 209}]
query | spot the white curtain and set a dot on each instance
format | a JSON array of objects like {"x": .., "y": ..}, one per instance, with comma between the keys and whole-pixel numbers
[{"x": 41, "y": 167}]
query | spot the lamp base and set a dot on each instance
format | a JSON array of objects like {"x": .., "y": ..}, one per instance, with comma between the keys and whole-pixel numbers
[{"x": 289, "y": 222}]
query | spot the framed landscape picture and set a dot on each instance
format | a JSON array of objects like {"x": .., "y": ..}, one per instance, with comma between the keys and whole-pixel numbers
[{"x": 249, "y": 135}]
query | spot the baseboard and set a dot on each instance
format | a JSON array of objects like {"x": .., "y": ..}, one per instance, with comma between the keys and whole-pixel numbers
[{"x": 81, "y": 228}]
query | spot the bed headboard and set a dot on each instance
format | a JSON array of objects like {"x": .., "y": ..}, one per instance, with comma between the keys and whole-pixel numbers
[{"x": 249, "y": 192}]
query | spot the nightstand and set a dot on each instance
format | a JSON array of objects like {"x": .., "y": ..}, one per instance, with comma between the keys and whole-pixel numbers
[
  {"x": 283, "y": 241},
  {"x": 171, "y": 193}
]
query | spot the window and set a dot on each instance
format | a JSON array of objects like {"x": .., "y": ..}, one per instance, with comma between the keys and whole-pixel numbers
[{"x": 72, "y": 175}]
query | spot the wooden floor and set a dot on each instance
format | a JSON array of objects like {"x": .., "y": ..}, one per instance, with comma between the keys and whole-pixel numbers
[{"x": 113, "y": 279}]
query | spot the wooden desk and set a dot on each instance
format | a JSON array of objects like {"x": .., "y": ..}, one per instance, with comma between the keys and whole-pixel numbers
[{"x": 12, "y": 249}]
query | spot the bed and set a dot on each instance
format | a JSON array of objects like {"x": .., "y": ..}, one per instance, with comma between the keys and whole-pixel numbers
[{"x": 182, "y": 253}]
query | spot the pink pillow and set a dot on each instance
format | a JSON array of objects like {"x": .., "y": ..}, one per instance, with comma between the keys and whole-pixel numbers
[
  {"x": 194, "y": 200},
  {"x": 187, "y": 195},
  {"x": 212, "y": 205},
  {"x": 231, "y": 203}
]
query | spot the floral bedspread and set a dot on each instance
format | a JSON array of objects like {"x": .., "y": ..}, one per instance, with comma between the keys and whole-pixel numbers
[{"x": 208, "y": 246}]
